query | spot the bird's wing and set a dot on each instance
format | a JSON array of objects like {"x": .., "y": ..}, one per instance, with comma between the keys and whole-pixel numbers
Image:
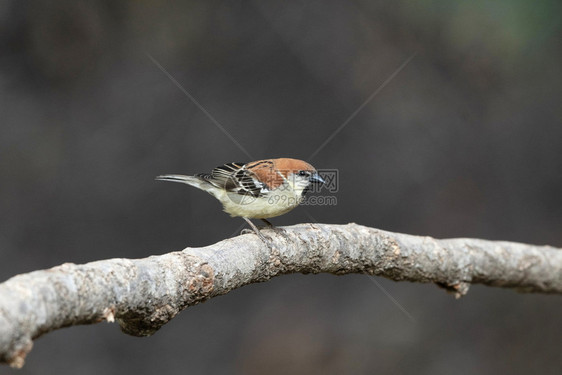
[{"x": 235, "y": 178}]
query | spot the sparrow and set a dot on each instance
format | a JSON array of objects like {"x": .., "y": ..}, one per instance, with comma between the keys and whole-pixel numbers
[{"x": 257, "y": 190}]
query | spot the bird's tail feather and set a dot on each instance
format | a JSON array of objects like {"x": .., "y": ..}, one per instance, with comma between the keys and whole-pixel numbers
[{"x": 190, "y": 180}]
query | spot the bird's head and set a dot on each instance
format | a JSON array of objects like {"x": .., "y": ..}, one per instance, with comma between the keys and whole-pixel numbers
[{"x": 299, "y": 174}]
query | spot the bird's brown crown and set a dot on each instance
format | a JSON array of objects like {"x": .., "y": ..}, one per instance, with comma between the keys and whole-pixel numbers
[{"x": 265, "y": 170}]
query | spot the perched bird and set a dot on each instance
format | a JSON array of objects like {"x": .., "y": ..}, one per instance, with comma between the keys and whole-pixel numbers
[{"x": 257, "y": 190}]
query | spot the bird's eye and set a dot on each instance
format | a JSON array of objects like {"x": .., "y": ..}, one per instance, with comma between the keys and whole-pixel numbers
[{"x": 303, "y": 173}]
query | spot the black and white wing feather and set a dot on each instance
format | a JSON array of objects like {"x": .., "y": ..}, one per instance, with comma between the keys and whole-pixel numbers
[{"x": 235, "y": 178}]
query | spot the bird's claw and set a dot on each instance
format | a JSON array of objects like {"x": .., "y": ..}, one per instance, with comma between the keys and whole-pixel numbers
[{"x": 259, "y": 234}]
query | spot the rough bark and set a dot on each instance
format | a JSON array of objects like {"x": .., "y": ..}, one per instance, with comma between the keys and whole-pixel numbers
[{"x": 144, "y": 294}]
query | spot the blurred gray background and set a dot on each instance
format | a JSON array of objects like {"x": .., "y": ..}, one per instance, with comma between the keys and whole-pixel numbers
[{"x": 465, "y": 141}]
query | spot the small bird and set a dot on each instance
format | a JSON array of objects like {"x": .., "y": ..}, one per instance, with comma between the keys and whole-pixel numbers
[{"x": 257, "y": 190}]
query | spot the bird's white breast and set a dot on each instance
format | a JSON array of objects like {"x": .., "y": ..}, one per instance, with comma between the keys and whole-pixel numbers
[{"x": 275, "y": 203}]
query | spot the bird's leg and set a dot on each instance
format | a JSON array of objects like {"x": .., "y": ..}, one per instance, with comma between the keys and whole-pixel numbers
[
  {"x": 256, "y": 230},
  {"x": 273, "y": 228},
  {"x": 267, "y": 223}
]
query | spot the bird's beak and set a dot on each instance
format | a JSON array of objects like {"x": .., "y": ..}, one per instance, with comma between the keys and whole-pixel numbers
[{"x": 316, "y": 179}]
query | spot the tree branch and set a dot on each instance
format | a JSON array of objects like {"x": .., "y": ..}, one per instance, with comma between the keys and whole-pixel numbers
[{"x": 144, "y": 294}]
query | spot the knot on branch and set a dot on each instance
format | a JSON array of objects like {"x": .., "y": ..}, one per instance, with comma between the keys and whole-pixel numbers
[{"x": 187, "y": 285}]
